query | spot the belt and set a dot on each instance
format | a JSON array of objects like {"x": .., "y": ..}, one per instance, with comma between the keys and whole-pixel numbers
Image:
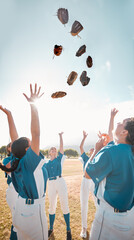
[
  {"x": 54, "y": 178},
  {"x": 29, "y": 201},
  {"x": 114, "y": 209}
]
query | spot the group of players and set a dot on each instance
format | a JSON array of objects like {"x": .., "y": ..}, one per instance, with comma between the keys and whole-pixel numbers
[{"x": 27, "y": 174}]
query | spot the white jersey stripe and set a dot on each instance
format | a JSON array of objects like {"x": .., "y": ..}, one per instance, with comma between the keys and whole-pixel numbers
[{"x": 39, "y": 178}]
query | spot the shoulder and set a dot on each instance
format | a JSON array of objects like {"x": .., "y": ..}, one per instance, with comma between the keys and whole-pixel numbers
[
  {"x": 60, "y": 155},
  {"x": 84, "y": 155},
  {"x": 104, "y": 154},
  {"x": 118, "y": 148},
  {"x": 7, "y": 160},
  {"x": 31, "y": 153},
  {"x": 47, "y": 163}
]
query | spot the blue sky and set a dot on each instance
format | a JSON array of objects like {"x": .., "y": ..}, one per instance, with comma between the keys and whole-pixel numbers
[{"x": 29, "y": 30}]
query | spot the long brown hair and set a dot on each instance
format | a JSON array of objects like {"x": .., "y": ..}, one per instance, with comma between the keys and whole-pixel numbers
[{"x": 130, "y": 128}]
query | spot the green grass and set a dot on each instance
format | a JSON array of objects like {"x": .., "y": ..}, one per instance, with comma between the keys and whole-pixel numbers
[{"x": 72, "y": 172}]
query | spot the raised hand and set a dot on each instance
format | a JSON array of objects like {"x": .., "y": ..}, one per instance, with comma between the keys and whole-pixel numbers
[
  {"x": 60, "y": 134},
  {"x": 34, "y": 94},
  {"x": 99, "y": 144},
  {"x": 114, "y": 111},
  {"x": 12, "y": 127},
  {"x": 5, "y": 110},
  {"x": 104, "y": 136},
  {"x": 84, "y": 134},
  {"x": 82, "y": 142}
]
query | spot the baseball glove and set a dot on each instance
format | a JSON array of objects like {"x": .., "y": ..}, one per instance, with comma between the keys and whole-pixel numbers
[
  {"x": 57, "y": 50},
  {"x": 62, "y": 14},
  {"x": 76, "y": 28},
  {"x": 59, "y": 94},
  {"x": 81, "y": 50},
  {"x": 89, "y": 62},
  {"x": 72, "y": 77},
  {"x": 84, "y": 79}
]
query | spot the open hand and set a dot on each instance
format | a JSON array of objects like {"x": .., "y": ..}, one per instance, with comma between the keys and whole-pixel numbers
[
  {"x": 34, "y": 95},
  {"x": 61, "y": 133},
  {"x": 99, "y": 144},
  {"x": 84, "y": 134},
  {"x": 114, "y": 111},
  {"x": 6, "y": 111}
]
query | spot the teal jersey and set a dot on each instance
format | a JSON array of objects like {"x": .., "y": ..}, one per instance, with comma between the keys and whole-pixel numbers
[
  {"x": 30, "y": 178},
  {"x": 54, "y": 167},
  {"x": 5, "y": 162},
  {"x": 116, "y": 164},
  {"x": 85, "y": 158}
]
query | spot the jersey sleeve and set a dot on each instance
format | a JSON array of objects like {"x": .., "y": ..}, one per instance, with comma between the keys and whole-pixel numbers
[
  {"x": 81, "y": 159},
  {"x": 84, "y": 157},
  {"x": 63, "y": 159},
  {"x": 6, "y": 160},
  {"x": 31, "y": 159},
  {"x": 59, "y": 157},
  {"x": 100, "y": 167}
]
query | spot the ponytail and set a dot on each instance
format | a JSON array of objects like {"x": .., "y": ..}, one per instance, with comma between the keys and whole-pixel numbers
[
  {"x": 18, "y": 150},
  {"x": 12, "y": 168}
]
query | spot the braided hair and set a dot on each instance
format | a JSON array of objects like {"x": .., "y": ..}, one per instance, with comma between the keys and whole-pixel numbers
[
  {"x": 130, "y": 128},
  {"x": 18, "y": 150}
]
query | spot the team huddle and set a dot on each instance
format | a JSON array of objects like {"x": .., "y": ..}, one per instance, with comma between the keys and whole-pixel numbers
[{"x": 108, "y": 174}]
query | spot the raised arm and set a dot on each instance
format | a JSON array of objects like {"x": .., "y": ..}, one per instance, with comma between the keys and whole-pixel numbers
[
  {"x": 114, "y": 111},
  {"x": 35, "y": 125},
  {"x": 99, "y": 144},
  {"x": 12, "y": 127},
  {"x": 82, "y": 142},
  {"x": 61, "y": 143}
]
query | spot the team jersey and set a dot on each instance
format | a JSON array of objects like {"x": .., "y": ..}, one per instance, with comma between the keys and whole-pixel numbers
[
  {"x": 30, "y": 178},
  {"x": 115, "y": 164},
  {"x": 84, "y": 158},
  {"x": 5, "y": 162},
  {"x": 54, "y": 167}
]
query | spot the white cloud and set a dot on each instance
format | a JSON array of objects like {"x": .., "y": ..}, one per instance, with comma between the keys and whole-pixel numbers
[
  {"x": 131, "y": 90},
  {"x": 108, "y": 65}
]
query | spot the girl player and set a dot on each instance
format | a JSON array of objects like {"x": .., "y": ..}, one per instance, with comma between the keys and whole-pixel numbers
[
  {"x": 57, "y": 186},
  {"x": 29, "y": 179},
  {"x": 87, "y": 186},
  {"x": 11, "y": 194}
]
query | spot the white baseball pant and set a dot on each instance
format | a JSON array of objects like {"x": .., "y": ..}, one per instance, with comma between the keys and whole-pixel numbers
[
  {"x": 58, "y": 187},
  {"x": 11, "y": 197},
  {"x": 30, "y": 220},
  {"x": 87, "y": 186},
  {"x": 110, "y": 225}
]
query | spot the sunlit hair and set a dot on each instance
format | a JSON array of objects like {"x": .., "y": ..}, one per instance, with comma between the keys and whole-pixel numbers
[
  {"x": 7, "y": 148},
  {"x": 129, "y": 126},
  {"x": 52, "y": 149}
]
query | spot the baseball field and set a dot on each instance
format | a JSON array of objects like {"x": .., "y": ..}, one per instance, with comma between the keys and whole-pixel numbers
[{"x": 72, "y": 172}]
